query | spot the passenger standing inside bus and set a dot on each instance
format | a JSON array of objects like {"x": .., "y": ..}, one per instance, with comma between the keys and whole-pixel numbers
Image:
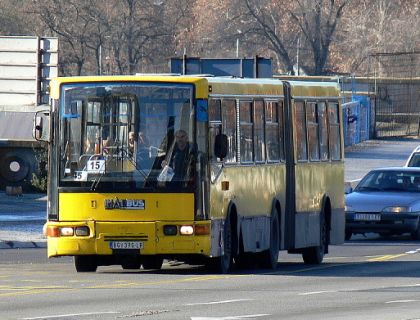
[{"x": 142, "y": 143}]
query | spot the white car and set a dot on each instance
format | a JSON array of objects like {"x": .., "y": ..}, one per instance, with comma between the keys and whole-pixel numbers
[{"x": 414, "y": 158}]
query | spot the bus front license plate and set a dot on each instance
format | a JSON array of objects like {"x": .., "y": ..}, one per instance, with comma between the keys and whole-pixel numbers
[{"x": 126, "y": 245}]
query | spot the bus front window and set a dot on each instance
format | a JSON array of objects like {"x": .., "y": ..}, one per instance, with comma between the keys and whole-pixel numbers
[{"x": 125, "y": 134}]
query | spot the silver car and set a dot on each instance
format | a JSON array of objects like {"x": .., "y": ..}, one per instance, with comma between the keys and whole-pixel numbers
[{"x": 385, "y": 201}]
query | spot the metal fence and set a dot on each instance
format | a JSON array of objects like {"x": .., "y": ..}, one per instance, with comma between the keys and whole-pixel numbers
[{"x": 396, "y": 85}]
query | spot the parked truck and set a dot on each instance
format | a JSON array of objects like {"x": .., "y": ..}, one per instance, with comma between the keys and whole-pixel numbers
[{"x": 26, "y": 66}]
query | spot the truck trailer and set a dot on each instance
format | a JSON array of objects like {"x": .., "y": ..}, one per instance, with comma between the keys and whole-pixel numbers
[{"x": 27, "y": 63}]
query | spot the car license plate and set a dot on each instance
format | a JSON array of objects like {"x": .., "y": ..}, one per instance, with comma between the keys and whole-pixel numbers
[
  {"x": 367, "y": 217},
  {"x": 126, "y": 245}
]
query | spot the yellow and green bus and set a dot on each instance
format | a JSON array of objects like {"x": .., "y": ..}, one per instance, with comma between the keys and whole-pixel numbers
[{"x": 263, "y": 170}]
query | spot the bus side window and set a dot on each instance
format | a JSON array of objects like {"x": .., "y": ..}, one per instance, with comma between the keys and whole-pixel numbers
[
  {"x": 259, "y": 136},
  {"x": 312, "y": 127},
  {"x": 281, "y": 129},
  {"x": 229, "y": 128},
  {"x": 334, "y": 130},
  {"x": 300, "y": 129},
  {"x": 215, "y": 125},
  {"x": 272, "y": 131},
  {"x": 246, "y": 125},
  {"x": 323, "y": 131}
]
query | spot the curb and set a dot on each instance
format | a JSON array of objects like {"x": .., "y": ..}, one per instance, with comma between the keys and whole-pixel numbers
[{"x": 4, "y": 244}]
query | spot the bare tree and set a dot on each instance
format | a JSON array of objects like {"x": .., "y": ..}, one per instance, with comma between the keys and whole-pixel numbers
[
  {"x": 373, "y": 26},
  {"x": 68, "y": 20},
  {"x": 318, "y": 21}
]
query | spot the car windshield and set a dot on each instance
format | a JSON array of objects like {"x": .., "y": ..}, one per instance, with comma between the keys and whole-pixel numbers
[
  {"x": 387, "y": 180},
  {"x": 414, "y": 160}
]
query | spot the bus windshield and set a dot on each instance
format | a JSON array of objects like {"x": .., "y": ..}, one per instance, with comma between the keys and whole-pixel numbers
[{"x": 127, "y": 135}]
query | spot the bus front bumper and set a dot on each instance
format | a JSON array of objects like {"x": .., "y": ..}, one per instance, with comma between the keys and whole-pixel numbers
[{"x": 144, "y": 238}]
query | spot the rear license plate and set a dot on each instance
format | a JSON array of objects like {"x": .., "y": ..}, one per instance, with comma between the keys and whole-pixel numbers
[
  {"x": 367, "y": 217},
  {"x": 126, "y": 245}
]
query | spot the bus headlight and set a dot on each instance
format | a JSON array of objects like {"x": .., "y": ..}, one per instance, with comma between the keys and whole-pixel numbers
[
  {"x": 66, "y": 231},
  {"x": 186, "y": 230}
]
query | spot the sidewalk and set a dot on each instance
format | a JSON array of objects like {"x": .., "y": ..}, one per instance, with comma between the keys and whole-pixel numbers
[{"x": 22, "y": 218}]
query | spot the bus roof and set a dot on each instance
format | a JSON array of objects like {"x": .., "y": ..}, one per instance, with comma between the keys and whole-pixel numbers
[
  {"x": 200, "y": 82},
  {"x": 206, "y": 85}
]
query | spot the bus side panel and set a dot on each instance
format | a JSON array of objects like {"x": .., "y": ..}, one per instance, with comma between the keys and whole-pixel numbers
[
  {"x": 252, "y": 189},
  {"x": 314, "y": 181}
]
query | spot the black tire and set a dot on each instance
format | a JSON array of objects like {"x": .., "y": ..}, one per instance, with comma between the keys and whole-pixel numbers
[
  {"x": 415, "y": 235},
  {"x": 348, "y": 235},
  {"x": 20, "y": 161},
  {"x": 85, "y": 263},
  {"x": 152, "y": 262},
  {"x": 315, "y": 255},
  {"x": 224, "y": 263},
  {"x": 270, "y": 257}
]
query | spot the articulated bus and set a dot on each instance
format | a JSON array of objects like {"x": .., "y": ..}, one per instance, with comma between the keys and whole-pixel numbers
[{"x": 263, "y": 171}]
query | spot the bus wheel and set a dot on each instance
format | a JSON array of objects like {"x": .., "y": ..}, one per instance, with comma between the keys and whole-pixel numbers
[
  {"x": 85, "y": 263},
  {"x": 225, "y": 261},
  {"x": 315, "y": 255},
  {"x": 269, "y": 257},
  {"x": 152, "y": 262},
  {"x": 223, "y": 264}
]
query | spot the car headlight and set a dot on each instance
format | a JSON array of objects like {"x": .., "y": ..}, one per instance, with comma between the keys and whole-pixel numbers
[{"x": 397, "y": 209}]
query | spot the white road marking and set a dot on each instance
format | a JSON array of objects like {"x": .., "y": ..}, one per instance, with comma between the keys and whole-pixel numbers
[
  {"x": 413, "y": 251},
  {"x": 315, "y": 292},
  {"x": 248, "y": 316},
  {"x": 401, "y": 301},
  {"x": 216, "y": 302},
  {"x": 71, "y": 315}
]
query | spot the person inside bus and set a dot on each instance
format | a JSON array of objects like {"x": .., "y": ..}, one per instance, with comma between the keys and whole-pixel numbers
[
  {"x": 140, "y": 140},
  {"x": 132, "y": 137},
  {"x": 181, "y": 156}
]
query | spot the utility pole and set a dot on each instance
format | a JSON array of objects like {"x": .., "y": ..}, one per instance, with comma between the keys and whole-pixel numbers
[
  {"x": 297, "y": 56},
  {"x": 237, "y": 48}
]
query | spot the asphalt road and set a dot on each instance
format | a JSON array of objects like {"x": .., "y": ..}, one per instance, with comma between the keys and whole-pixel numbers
[
  {"x": 366, "y": 278},
  {"x": 370, "y": 154}
]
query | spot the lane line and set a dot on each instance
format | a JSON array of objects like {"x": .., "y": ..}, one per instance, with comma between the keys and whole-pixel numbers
[
  {"x": 316, "y": 292},
  {"x": 413, "y": 251},
  {"x": 217, "y": 302},
  {"x": 401, "y": 301},
  {"x": 387, "y": 257},
  {"x": 72, "y": 315},
  {"x": 248, "y": 316}
]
